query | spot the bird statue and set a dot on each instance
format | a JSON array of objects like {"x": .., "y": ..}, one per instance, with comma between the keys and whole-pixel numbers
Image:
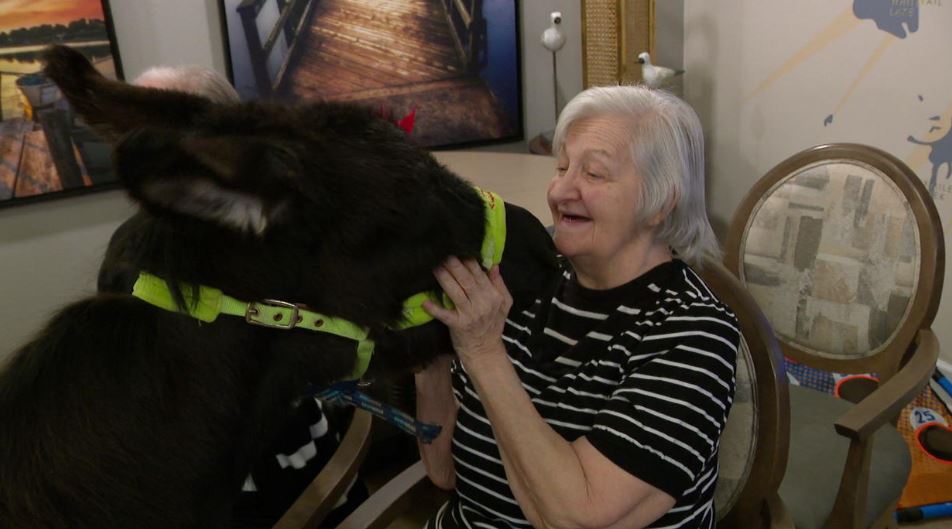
[
  {"x": 552, "y": 38},
  {"x": 653, "y": 75}
]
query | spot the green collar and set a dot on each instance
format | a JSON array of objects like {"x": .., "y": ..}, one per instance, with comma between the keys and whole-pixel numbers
[
  {"x": 274, "y": 314},
  {"x": 494, "y": 242}
]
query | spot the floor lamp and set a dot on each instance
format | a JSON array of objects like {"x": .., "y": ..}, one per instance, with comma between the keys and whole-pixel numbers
[{"x": 553, "y": 39}]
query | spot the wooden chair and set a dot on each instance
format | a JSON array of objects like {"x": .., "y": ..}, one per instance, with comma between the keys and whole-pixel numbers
[
  {"x": 753, "y": 449},
  {"x": 323, "y": 493},
  {"x": 842, "y": 248}
]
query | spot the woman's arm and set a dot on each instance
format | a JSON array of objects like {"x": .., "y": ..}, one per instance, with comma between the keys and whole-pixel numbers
[
  {"x": 435, "y": 404},
  {"x": 558, "y": 484}
]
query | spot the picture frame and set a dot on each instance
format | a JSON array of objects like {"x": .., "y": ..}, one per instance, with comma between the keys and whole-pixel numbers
[
  {"x": 449, "y": 72},
  {"x": 47, "y": 151},
  {"x": 614, "y": 32}
]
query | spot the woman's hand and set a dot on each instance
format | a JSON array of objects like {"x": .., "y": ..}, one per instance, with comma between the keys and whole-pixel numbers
[{"x": 481, "y": 301}]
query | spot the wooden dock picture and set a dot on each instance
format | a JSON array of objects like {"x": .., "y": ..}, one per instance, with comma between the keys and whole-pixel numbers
[
  {"x": 44, "y": 148},
  {"x": 454, "y": 63}
]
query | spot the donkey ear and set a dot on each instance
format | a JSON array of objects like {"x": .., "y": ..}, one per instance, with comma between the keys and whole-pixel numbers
[
  {"x": 237, "y": 182},
  {"x": 113, "y": 108}
]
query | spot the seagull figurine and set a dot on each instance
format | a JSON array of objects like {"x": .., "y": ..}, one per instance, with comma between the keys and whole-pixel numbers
[{"x": 653, "y": 75}]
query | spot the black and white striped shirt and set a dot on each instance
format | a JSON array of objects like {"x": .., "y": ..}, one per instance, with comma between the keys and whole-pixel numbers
[{"x": 645, "y": 371}]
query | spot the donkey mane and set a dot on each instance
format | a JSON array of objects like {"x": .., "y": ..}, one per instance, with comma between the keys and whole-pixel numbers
[{"x": 120, "y": 414}]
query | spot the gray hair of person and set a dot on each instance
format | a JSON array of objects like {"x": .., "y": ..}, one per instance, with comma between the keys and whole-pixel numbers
[
  {"x": 666, "y": 143},
  {"x": 197, "y": 80}
]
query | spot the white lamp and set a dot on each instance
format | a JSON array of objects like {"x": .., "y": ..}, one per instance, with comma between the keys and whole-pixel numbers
[{"x": 553, "y": 39}]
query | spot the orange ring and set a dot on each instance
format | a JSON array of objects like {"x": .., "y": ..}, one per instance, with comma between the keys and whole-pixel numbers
[
  {"x": 836, "y": 387},
  {"x": 918, "y": 435}
]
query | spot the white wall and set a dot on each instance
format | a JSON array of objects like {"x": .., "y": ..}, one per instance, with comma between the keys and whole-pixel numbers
[
  {"x": 49, "y": 254},
  {"x": 765, "y": 74},
  {"x": 50, "y": 251}
]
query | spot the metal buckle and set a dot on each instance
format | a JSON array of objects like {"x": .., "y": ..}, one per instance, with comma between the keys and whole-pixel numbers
[{"x": 253, "y": 311}]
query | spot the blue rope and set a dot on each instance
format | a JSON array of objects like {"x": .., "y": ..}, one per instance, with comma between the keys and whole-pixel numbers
[{"x": 346, "y": 392}]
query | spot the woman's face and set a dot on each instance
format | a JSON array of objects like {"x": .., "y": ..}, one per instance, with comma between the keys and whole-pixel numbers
[{"x": 594, "y": 195}]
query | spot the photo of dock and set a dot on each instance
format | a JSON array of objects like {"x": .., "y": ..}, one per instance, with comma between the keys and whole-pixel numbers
[
  {"x": 45, "y": 149},
  {"x": 453, "y": 65}
]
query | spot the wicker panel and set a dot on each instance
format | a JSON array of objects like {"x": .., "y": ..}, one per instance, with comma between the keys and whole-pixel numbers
[
  {"x": 637, "y": 35},
  {"x": 600, "y": 42},
  {"x": 613, "y": 33}
]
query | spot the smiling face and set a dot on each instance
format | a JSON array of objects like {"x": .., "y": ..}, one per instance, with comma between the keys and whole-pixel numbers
[{"x": 594, "y": 199}]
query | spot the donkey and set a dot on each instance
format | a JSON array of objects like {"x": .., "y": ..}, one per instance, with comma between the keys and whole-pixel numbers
[{"x": 122, "y": 414}]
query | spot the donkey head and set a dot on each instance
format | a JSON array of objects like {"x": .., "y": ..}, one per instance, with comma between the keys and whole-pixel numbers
[{"x": 325, "y": 204}]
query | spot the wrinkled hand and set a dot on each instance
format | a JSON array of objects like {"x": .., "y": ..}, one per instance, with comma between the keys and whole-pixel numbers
[{"x": 482, "y": 303}]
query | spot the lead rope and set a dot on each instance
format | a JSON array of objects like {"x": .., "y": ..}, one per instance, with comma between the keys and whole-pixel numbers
[{"x": 347, "y": 392}]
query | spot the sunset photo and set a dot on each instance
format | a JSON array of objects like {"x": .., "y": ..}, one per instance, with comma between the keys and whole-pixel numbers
[
  {"x": 44, "y": 149},
  {"x": 15, "y": 14}
]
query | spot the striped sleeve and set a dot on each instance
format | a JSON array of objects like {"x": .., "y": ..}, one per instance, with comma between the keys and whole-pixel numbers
[{"x": 662, "y": 423}]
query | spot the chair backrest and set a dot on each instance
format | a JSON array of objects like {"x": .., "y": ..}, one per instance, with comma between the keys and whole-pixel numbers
[
  {"x": 323, "y": 493},
  {"x": 842, "y": 248},
  {"x": 753, "y": 448}
]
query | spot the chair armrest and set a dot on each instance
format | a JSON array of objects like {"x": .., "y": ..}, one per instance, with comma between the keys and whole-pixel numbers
[
  {"x": 387, "y": 503},
  {"x": 322, "y": 494},
  {"x": 885, "y": 403}
]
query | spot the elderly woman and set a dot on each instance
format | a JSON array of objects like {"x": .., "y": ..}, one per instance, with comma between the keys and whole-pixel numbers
[{"x": 601, "y": 406}]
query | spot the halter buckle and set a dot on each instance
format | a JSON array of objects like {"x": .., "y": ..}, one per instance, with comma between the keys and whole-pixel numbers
[{"x": 256, "y": 314}]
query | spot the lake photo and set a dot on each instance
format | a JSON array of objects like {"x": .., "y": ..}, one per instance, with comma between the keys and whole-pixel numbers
[{"x": 46, "y": 149}]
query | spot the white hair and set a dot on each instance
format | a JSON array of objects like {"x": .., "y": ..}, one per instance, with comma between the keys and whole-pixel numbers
[
  {"x": 197, "y": 80},
  {"x": 667, "y": 149}
]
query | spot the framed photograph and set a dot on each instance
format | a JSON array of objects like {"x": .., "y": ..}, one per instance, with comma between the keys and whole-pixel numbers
[
  {"x": 447, "y": 69},
  {"x": 47, "y": 151}
]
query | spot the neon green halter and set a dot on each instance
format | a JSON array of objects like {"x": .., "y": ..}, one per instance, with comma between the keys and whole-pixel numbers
[
  {"x": 494, "y": 242},
  {"x": 211, "y": 302}
]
